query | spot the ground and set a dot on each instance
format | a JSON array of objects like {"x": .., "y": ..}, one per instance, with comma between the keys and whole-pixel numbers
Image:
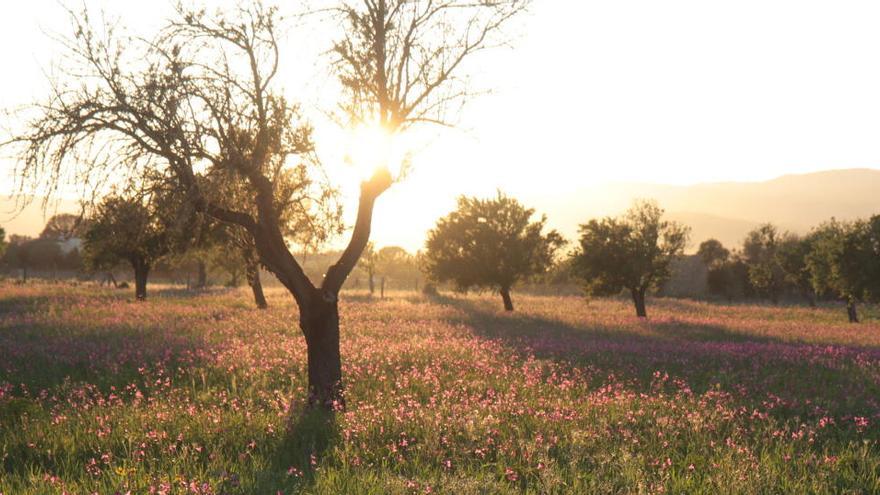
[{"x": 202, "y": 393}]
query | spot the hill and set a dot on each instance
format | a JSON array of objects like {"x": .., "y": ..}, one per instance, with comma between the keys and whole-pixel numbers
[{"x": 727, "y": 210}]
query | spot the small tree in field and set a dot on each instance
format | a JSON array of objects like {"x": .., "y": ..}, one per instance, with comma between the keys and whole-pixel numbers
[
  {"x": 128, "y": 230},
  {"x": 490, "y": 243},
  {"x": 761, "y": 254},
  {"x": 198, "y": 104},
  {"x": 844, "y": 260},
  {"x": 633, "y": 252}
]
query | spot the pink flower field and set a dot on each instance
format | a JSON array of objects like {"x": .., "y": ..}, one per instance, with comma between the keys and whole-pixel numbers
[{"x": 201, "y": 393}]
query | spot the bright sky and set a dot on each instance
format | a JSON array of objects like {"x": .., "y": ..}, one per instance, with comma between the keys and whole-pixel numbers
[{"x": 595, "y": 91}]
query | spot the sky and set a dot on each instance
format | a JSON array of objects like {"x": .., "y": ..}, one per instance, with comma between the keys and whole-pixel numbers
[{"x": 590, "y": 92}]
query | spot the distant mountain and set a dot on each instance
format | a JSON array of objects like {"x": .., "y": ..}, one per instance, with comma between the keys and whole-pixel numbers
[
  {"x": 728, "y": 210},
  {"x": 724, "y": 210}
]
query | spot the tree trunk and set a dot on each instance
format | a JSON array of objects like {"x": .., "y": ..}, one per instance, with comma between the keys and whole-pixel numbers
[
  {"x": 320, "y": 326},
  {"x": 382, "y": 288},
  {"x": 141, "y": 271},
  {"x": 24, "y": 274},
  {"x": 811, "y": 299},
  {"x": 851, "y": 311},
  {"x": 253, "y": 276},
  {"x": 638, "y": 297},
  {"x": 372, "y": 284},
  {"x": 203, "y": 275},
  {"x": 505, "y": 296}
]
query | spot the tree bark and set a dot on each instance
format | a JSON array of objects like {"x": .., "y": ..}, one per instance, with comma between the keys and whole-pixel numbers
[
  {"x": 253, "y": 277},
  {"x": 203, "y": 275},
  {"x": 851, "y": 311},
  {"x": 141, "y": 272},
  {"x": 505, "y": 296},
  {"x": 638, "y": 297},
  {"x": 320, "y": 326}
]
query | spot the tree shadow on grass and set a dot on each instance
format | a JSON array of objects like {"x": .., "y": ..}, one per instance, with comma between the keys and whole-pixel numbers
[
  {"x": 810, "y": 378},
  {"x": 297, "y": 455}
]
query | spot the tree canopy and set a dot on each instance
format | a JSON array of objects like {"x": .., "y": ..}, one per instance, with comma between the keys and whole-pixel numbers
[
  {"x": 844, "y": 260},
  {"x": 631, "y": 252},
  {"x": 490, "y": 243}
]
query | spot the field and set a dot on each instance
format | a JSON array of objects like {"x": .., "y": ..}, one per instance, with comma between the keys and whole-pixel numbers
[{"x": 200, "y": 393}]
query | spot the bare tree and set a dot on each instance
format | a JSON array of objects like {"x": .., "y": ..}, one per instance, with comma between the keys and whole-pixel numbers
[{"x": 197, "y": 105}]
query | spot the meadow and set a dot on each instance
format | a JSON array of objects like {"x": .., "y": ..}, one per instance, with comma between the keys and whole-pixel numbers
[{"x": 201, "y": 393}]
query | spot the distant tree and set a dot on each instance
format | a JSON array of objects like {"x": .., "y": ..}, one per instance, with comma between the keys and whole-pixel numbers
[
  {"x": 713, "y": 253},
  {"x": 632, "y": 252},
  {"x": 490, "y": 243},
  {"x": 61, "y": 227},
  {"x": 367, "y": 263},
  {"x": 760, "y": 254},
  {"x": 134, "y": 229},
  {"x": 792, "y": 258},
  {"x": 844, "y": 260},
  {"x": 26, "y": 254},
  {"x": 3, "y": 243},
  {"x": 719, "y": 275},
  {"x": 393, "y": 262}
]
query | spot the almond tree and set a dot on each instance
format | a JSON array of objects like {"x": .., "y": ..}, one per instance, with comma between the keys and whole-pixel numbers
[{"x": 198, "y": 103}]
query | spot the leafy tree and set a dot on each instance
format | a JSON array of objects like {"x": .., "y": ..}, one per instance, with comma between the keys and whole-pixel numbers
[
  {"x": 393, "y": 262},
  {"x": 720, "y": 276},
  {"x": 632, "y": 252},
  {"x": 133, "y": 229},
  {"x": 760, "y": 254},
  {"x": 61, "y": 227},
  {"x": 844, "y": 260},
  {"x": 792, "y": 258},
  {"x": 490, "y": 243},
  {"x": 199, "y": 100},
  {"x": 713, "y": 253}
]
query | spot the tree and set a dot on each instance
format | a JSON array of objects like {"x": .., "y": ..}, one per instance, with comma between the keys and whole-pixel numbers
[
  {"x": 397, "y": 265},
  {"x": 792, "y": 258},
  {"x": 198, "y": 104},
  {"x": 490, "y": 243},
  {"x": 368, "y": 263},
  {"x": 719, "y": 276},
  {"x": 844, "y": 260},
  {"x": 133, "y": 229},
  {"x": 61, "y": 227},
  {"x": 760, "y": 253},
  {"x": 632, "y": 252},
  {"x": 3, "y": 243},
  {"x": 713, "y": 253}
]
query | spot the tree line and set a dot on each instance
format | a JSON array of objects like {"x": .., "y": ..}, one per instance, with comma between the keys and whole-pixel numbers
[{"x": 837, "y": 260}]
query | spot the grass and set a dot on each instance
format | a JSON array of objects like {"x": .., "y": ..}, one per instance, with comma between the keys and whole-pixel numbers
[{"x": 200, "y": 393}]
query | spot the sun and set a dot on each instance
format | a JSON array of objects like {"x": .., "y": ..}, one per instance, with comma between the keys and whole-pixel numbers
[{"x": 372, "y": 147}]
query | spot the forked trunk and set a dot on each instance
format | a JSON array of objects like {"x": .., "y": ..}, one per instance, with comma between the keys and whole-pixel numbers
[
  {"x": 141, "y": 272},
  {"x": 851, "y": 311},
  {"x": 320, "y": 326},
  {"x": 638, "y": 297},
  {"x": 505, "y": 296},
  {"x": 253, "y": 277}
]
